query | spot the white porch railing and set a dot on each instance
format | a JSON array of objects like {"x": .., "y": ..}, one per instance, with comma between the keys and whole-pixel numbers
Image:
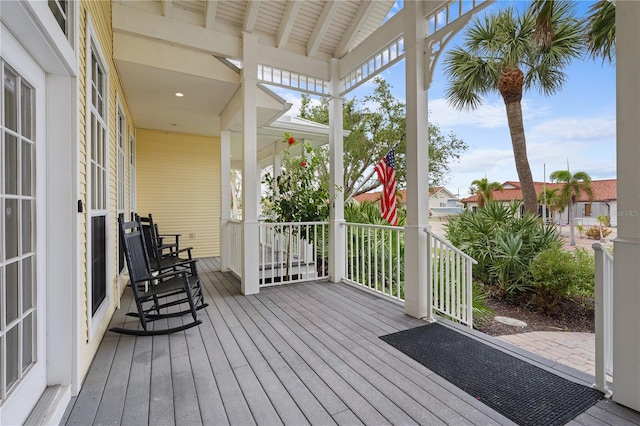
[
  {"x": 375, "y": 258},
  {"x": 235, "y": 240},
  {"x": 452, "y": 284},
  {"x": 604, "y": 317},
  {"x": 293, "y": 252}
]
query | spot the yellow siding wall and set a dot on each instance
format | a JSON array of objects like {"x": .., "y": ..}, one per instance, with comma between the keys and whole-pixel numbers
[
  {"x": 99, "y": 13},
  {"x": 178, "y": 182}
]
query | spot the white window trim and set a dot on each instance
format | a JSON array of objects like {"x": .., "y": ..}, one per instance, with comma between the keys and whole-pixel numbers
[
  {"x": 132, "y": 172},
  {"x": 92, "y": 43}
]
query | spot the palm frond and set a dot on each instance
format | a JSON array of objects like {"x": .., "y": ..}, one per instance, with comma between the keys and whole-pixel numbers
[{"x": 600, "y": 31}]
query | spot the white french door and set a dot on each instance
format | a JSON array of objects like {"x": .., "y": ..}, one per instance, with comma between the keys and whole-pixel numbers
[{"x": 22, "y": 289}]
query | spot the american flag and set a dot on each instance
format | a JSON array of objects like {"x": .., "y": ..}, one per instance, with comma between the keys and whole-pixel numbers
[{"x": 386, "y": 170}]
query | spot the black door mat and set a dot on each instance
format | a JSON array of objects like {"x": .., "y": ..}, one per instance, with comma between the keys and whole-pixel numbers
[{"x": 524, "y": 393}]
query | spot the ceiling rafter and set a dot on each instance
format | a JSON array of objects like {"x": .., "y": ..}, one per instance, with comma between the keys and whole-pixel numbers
[
  {"x": 210, "y": 9},
  {"x": 288, "y": 21},
  {"x": 167, "y": 8},
  {"x": 324, "y": 21},
  {"x": 251, "y": 16},
  {"x": 364, "y": 11}
]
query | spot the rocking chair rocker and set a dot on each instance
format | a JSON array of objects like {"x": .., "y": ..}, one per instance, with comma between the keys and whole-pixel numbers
[{"x": 153, "y": 293}]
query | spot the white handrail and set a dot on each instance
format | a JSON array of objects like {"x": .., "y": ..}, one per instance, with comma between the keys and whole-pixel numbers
[
  {"x": 603, "y": 316},
  {"x": 374, "y": 260},
  {"x": 235, "y": 239},
  {"x": 450, "y": 279}
]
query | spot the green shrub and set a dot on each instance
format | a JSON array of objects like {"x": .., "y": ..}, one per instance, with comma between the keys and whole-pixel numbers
[
  {"x": 559, "y": 274},
  {"x": 503, "y": 243}
]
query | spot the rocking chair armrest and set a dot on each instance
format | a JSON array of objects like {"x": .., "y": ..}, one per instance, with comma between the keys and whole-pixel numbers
[
  {"x": 170, "y": 274},
  {"x": 182, "y": 250},
  {"x": 191, "y": 263}
]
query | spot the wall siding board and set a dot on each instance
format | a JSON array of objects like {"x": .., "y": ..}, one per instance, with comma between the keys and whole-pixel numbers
[{"x": 178, "y": 182}]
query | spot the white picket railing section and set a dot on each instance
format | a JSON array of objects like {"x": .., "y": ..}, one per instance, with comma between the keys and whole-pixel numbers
[
  {"x": 450, "y": 275},
  {"x": 293, "y": 252},
  {"x": 375, "y": 258},
  {"x": 604, "y": 317},
  {"x": 235, "y": 239}
]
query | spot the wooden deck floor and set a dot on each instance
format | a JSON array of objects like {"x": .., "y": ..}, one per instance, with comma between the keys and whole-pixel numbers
[{"x": 299, "y": 354}]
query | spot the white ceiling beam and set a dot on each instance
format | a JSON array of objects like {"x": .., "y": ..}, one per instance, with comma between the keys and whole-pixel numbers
[
  {"x": 167, "y": 8},
  {"x": 278, "y": 58},
  {"x": 210, "y": 10},
  {"x": 349, "y": 37},
  {"x": 251, "y": 16},
  {"x": 288, "y": 20},
  {"x": 324, "y": 21},
  {"x": 381, "y": 37},
  {"x": 149, "y": 25}
]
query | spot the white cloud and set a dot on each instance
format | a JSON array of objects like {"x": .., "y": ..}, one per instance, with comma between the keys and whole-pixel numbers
[
  {"x": 582, "y": 129},
  {"x": 491, "y": 114}
]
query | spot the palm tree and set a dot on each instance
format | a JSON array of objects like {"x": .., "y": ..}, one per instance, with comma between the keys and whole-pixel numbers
[
  {"x": 484, "y": 190},
  {"x": 599, "y": 27},
  {"x": 550, "y": 198},
  {"x": 573, "y": 186},
  {"x": 501, "y": 55}
]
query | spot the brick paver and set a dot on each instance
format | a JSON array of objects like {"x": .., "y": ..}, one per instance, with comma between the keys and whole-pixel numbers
[{"x": 576, "y": 350}]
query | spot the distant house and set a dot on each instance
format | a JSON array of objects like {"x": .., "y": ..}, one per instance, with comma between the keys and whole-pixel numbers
[
  {"x": 442, "y": 202},
  {"x": 585, "y": 211}
]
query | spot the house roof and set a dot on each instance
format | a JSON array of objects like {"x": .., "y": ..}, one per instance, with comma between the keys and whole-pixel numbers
[
  {"x": 603, "y": 190},
  {"x": 375, "y": 196}
]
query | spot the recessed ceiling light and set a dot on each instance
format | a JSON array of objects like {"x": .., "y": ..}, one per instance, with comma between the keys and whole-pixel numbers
[{"x": 179, "y": 94}]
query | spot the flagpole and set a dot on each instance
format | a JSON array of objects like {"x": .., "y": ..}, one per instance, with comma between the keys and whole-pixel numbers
[
  {"x": 544, "y": 191},
  {"x": 368, "y": 177}
]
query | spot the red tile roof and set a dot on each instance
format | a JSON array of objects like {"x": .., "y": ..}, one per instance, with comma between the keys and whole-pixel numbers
[
  {"x": 375, "y": 196},
  {"x": 603, "y": 190}
]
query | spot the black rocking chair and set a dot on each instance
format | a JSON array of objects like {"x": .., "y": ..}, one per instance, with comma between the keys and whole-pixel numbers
[
  {"x": 154, "y": 293},
  {"x": 174, "y": 259}
]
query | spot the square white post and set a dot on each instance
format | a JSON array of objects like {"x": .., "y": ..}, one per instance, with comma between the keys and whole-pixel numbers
[
  {"x": 225, "y": 199},
  {"x": 337, "y": 240},
  {"x": 250, "y": 229},
  {"x": 417, "y": 291},
  {"x": 626, "y": 268}
]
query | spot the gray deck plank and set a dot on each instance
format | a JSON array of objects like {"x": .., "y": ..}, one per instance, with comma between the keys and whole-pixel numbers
[
  {"x": 344, "y": 369},
  {"x": 185, "y": 398},
  {"x": 223, "y": 321},
  {"x": 236, "y": 409},
  {"x": 161, "y": 411},
  {"x": 619, "y": 411},
  {"x": 257, "y": 330},
  {"x": 136, "y": 405},
  {"x": 274, "y": 389},
  {"x": 292, "y": 354},
  {"x": 415, "y": 372},
  {"x": 87, "y": 403},
  {"x": 296, "y": 337},
  {"x": 379, "y": 371},
  {"x": 389, "y": 362}
]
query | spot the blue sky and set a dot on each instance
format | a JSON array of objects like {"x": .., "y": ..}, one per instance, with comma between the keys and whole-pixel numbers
[{"x": 576, "y": 125}]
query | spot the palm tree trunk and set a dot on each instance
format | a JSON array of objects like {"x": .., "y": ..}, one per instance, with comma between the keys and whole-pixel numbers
[
  {"x": 572, "y": 234},
  {"x": 519, "y": 143}
]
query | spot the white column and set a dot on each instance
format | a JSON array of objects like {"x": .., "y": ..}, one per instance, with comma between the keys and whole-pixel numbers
[
  {"x": 337, "y": 238},
  {"x": 626, "y": 268},
  {"x": 225, "y": 199},
  {"x": 250, "y": 229},
  {"x": 417, "y": 291}
]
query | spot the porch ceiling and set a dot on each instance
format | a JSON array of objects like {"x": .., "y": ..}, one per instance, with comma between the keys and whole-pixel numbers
[{"x": 166, "y": 46}]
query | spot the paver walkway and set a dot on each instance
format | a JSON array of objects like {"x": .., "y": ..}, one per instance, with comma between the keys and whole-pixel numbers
[{"x": 575, "y": 350}]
